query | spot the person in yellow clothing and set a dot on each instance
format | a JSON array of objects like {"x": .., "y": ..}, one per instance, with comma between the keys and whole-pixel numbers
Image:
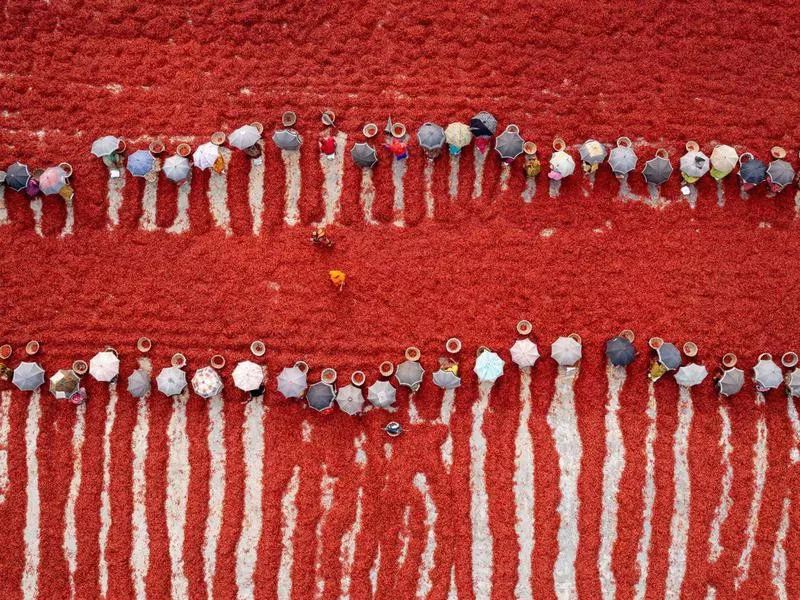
[{"x": 337, "y": 278}]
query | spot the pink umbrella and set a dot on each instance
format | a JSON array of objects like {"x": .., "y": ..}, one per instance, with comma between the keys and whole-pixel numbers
[{"x": 52, "y": 180}]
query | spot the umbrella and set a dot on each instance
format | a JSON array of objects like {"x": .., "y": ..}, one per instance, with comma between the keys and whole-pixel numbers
[
  {"x": 561, "y": 165},
  {"x": 483, "y": 124},
  {"x": 244, "y": 137},
  {"x": 139, "y": 383},
  {"x": 104, "y": 366},
  {"x": 509, "y": 143},
  {"x": 287, "y": 139},
  {"x": 364, "y": 155},
  {"x": 779, "y": 174},
  {"x": 620, "y": 351},
  {"x": 447, "y": 380},
  {"x": 566, "y": 351},
  {"x": 140, "y": 163},
  {"x": 409, "y": 373},
  {"x": 171, "y": 381},
  {"x": 592, "y": 152},
  {"x": 525, "y": 353},
  {"x": 694, "y": 164},
  {"x": 622, "y": 160},
  {"x": 177, "y": 168},
  {"x": 430, "y": 136},
  {"x": 206, "y": 155},
  {"x": 793, "y": 383},
  {"x": 669, "y": 356},
  {"x": 381, "y": 394},
  {"x": 248, "y": 376},
  {"x": 731, "y": 382},
  {"x": 657, "y": 170},
  {"x": 52, "y": 180},
  {"x": 108, "y": 144},
  {"x": 320, "y": 396},
  {"x": 18, "y": 176},
  {"x": 64, "y": 384},
  {"x": 488, "y": 366},
  {"x": 753, "y": 171},
  {"x": 292, "y": 382},
  {"x": 691, "y": 374},
  {"x": 457, "y": 135},
  {"x": 350, "y": 399},
  {"x": 207, "y": 382},
  {"x": 28, "y": 376},
  {"x": 768, "y": 375},
  {"x": 723, "y": 161}
]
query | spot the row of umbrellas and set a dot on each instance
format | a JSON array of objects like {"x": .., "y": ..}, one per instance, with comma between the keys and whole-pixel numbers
[{"x": 51, "y": 181}]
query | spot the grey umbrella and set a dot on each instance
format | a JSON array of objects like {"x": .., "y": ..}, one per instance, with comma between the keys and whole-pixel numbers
[
  {"x": 753, "y": 171},
  {"x": 28, "y": 376},
  {"x": 767, "y": 375},
  {"x": 447, "y": 380},
  {"x": 350, "y": 399},
  {"x": 382, "y": 394},
  {"x": 244, "y": 137},
  {"x": 730, "y": 382},
  {"x": 483, "y": 124},
  {"x": 17, "y": 176},
  {"x": 509, "y": 143},
  {"x": 139, "y": 383},
  {"x": 622, "y": 160},
  {"x": 793, "y": 383},
  {"x": 409, "y": 374},
  {"x": 695, "y": 164},
  {"x": 620, "y": 351},
  {"x": 108, "y": 144},
  {"x": 171, "y": 381},
  {"x": 177, "y": 168},
  {"x": 592, "y": 152},
  {"x": 320, "y": 396},
  {"x": 657, "y": 170},
  {"x": 669, "y": 356},
  {"x": 364, "y": 155},
  {"x": 779, "y": 174},
  {"x": 430, "y": 136},
  {"x": 287, "y": 139}
]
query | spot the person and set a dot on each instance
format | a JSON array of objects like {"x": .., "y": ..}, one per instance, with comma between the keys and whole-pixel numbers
[
  {"x": 398, "y": 147},
  {"x": 327, "y": 144},
  {"x": 338, "y": 278},
  {"x": 532, "y": 165},
  {"x": 79, "y": 397},
  {"x": 320, "y": 238}
]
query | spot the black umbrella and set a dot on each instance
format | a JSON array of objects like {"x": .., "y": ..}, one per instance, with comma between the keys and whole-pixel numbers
[
  {"x": 364, "y": 155},
  {"x": 752, "y": 171},
  {"x": 18, "y": 176},
  {"x": 509, "y": 143},
  {"x": 620, "y": 351},
  {"x": 320, "y": 396},
  {"x": 483, "y": 124},
  {"x": 657, "y": 170}
]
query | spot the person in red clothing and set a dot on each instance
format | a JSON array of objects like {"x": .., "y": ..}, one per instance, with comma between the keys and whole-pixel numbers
[
  {"x": 327, "y": 144},
  {"x": 397, "y": 147}
]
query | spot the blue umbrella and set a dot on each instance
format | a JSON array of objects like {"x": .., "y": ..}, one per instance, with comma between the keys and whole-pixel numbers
[
  {"x": 140, "y": 163},
  {"x": 488, "y": 366},
  {"x": 18, "y": 176},
  {"x": 669, "y": 356},
  {"x": 620, "y": 351},
  {"x": 752, "y": 171}
]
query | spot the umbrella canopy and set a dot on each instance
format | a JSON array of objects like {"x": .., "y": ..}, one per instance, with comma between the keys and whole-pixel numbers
[
  {"x": 409, "y": 373},
  {"x": 28, "y": 376},
  {"x": 488, "y": 366},
  {"x": 364, "y": 155},
  {"x": 207, "y": 382},
  {"x": 695, "y": 164},
  {"x": 622, "y": 160},
  {"x": 566, "y": 351},
  {"x": 793, "y": 383},
  {"x": 350, "y": 399},
  {"x": 108, "y": 144},
  {"x": 292, "y": 382},
  {"x": 248, "y": 376},
  {"x": 483, "y": 124},
  {"x": 287, "y": 139},
  {"x": 731, "y": 382},
  {"x": 691, "y": 374},
  {"x": 447, "y": 380},
  {"x": 64, "y": 384},
  {"x": 171, "y": 381},
  {"x": 458, "y": 135},
  {"x": 18, "y": 176},
  {"x": 382, "y": 394},
  {"x": 139, "y": 383},
  {"x": 206, "y": 155},
  {"x": 592, "y": 152},
  {"x": 657, "y": 170},
  {"x": 244, "y": 137},
  {"x": 177, "y": 168},
  {"x": 104, "y": 366},
  {"x": 779, "y": 174},
  {"x": 525, "y": 353},
  {"x": 430, "y": 136},
  {"x": 561, "y": 165},
  {"x": 669, "y": 356},
  {"x": 509, "y": 144},
  {"x": 620, "y": 351},
  {"x": 320, "y": 396},
  {"x": 753, "y": 171},
  {"x": 140, "y": 163},
  {"x": 768, "y": 375},
  {"x": 52, "y": 181},
  {"x": 723, "y": 161}
]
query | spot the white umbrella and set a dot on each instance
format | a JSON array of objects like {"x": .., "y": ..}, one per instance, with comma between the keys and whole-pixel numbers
[
  {"x": 177, "y": 168},
  {"x": 171, "y": 381},
  {"x": 561, "y": 165},
  {"x": 691, "y": 374},
  {"x": 525, "y": 353},
  {"x": 350, "y": 399},
  {"x": 247, "y": 376},
  {"x": 104, "y": 366},
  {"x": 206, "y": 382},
  {"x": 382, "y": 394},
  {"x": 566, "y": 351},
  {"x": 488, "y": 366},
  {"x": 793, "y": 383},
  {"x": 244, "y": 137},
  {"x": 28, "y": 376},
  {"x": 409, "y": 373},
  {"x": 206, "y": 155},
  {"x": 139, "y": 383},
  {"x": 292, "y": 382},
  {"x": 447, "y": 380},
  {"x": 592, "y": 152},
  {"x": 723, "y": 160},
  {"x": 768, "y": 375},
  {"x": 458, "y": 135},
  {"x": 108, "y": 144}
]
